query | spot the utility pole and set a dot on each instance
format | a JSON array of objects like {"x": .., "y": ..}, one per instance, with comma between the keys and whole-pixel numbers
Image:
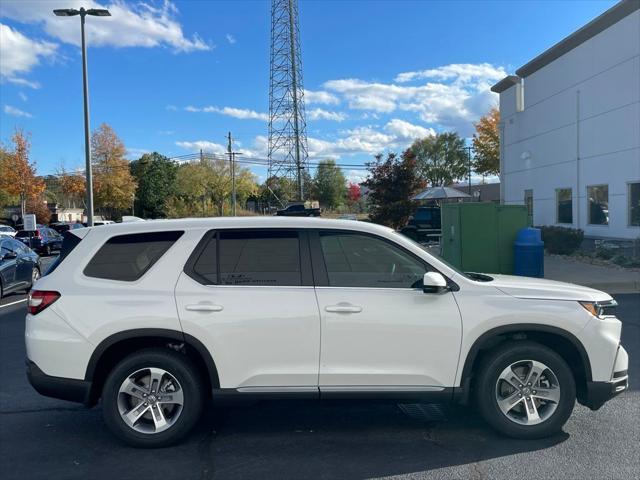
[
  {"x": 232, "y": 170},
  {"x": 468, "y": 149}
]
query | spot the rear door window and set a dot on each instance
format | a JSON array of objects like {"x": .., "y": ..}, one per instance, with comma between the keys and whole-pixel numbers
[
  {"x": 249, "y": 257},
  {"x": 129, "y": 257}
]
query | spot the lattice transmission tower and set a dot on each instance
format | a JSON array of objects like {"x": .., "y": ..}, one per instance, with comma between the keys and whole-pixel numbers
[{"x": 288, "y": 155}]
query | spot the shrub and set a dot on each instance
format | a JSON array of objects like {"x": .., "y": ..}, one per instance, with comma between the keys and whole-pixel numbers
[
  {"x": 605, "y": 253},
  {"x": 561, "y": 240}
]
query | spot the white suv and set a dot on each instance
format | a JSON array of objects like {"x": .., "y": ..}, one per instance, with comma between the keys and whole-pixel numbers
[{"x": 154, "y": 318}]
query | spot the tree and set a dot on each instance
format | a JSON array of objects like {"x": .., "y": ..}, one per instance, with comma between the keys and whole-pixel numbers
[
  {"x": 391, "y": 183},
  {"x": 441, "y": 158},
  {"x": 353, "y": 192},
  {"x": 73, "y": 188},
  {"x": 203, "y": 188},
  {"x": 18, "y": 173},
  {"x": 278, "y": 190},
  {"x": 486, "y": 143},
  {"x": 113, "y": 184},
  {"x": 155, "y": 175},
  {"x": 330, "y": 184}
]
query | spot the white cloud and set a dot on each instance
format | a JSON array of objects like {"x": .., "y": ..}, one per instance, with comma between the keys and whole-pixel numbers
[
  {"x": 407, "y": 131},
  {"x": 16, "y": 112},
  {"x": 455, "y": 96},
  {"x": 320, "y": 114},
  {"x": 166, "y": 132},
  {"x": 241, "y": 113},
  {"x": 460, "y": 72},
  {"x": 19, "y": 54},
  {"x": 320, "y": 97},
  {"x": 23, "y": 96},
  {"x": 230, "y": 38},
  {"x": 204, "y": 145},
  {"x": 131, "y": 24}
]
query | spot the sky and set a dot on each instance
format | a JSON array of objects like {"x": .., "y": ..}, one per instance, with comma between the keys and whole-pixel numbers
[{"x": 176, "y": 76}]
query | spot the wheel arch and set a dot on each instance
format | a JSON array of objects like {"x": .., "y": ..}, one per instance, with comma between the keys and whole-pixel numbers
[
  {"x": 567, "y": 345},
  {"x": 115, "y": 347}
]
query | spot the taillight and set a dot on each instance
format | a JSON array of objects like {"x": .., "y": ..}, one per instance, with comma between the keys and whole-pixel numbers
[
  {"x": 36, "y": 233},
  {"x": 40, "y": 299}
]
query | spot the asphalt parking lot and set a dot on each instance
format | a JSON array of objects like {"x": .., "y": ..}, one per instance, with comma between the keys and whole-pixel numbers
[{"x": 52, "y": 439}]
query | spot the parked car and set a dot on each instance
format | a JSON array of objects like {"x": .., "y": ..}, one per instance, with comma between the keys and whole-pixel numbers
[
  {"x": 63, "y": 227},
  {"x": 424, "y": 225},
  {"x": 19, "y": 266},
  {"x": 237, "y": 308},
  {"x": 298, "y": 210},
  {"x": 7, "y": 231},
  {"x": 43, "y": 240}
]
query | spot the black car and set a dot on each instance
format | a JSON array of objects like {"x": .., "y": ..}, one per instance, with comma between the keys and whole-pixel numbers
[
  {"x": 65, "y": 227},
  {"x": 424, "y": 225},
  {"x": 44, "y": 240},
  {"x": 19, "y": 266},
  {"x": 298, "y": 210}
]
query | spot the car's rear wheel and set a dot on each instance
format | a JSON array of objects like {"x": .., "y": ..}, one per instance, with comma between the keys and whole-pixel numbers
[
  {"x": 152, "y": 398},
  {"x": 35, "y": 275},
  {"x": 525, "y": 390}
]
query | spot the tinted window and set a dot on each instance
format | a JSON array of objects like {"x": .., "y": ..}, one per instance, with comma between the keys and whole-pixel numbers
[
  {"x": 23, "y": 234},
  {"x": 354, "y": 260},
  {"x": 206, "y": 265},
  {"x": 268, "y": 257},
  {"x": 5, "y": 247},
  {"x": 128, "y": 257},
  {"x": 260, "y": 258},
  {"x": 69, "y": 242},
  {"x": 598, "y": 197}
]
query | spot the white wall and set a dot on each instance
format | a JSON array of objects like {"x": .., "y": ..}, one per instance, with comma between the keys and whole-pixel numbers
[{"x": 584, "y": 104}]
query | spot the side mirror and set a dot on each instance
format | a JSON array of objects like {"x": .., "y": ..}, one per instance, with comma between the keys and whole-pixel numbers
[{"x": 434, "y": 282}]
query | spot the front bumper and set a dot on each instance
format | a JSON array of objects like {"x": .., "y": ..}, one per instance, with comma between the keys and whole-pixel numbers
[
  {"x": 599, "y": 393},
  {"x": 58, "y": 387}
]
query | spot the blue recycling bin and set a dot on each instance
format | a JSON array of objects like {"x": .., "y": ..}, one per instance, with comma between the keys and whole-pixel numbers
[{"x": 529, "y": 253}]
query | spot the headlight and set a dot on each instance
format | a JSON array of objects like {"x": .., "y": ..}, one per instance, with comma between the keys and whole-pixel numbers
[{"x": 600, "y": 309}]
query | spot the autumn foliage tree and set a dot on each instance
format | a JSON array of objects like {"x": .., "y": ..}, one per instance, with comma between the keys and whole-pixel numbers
[
  {"x": 73, "y": 188},
  {"x": 392, "y": 182},
  {"x": 113, "y": 185},
  {"x": 18, "y": 174},
  {"x": 486, "y": 144}
]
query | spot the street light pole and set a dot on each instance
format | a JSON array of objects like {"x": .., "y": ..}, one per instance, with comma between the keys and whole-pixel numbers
[
  {"x": 87, "y": 147},
  {"x": 71, "y": 12}
]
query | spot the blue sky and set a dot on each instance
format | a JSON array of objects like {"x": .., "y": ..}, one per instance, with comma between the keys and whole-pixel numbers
[{"x": 176, "y": 76}]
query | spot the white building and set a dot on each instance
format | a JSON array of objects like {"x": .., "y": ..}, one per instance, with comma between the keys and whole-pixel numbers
[{"x": 570, "y": 129}]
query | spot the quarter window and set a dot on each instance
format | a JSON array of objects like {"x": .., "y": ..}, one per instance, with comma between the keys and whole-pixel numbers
[
  {"x": 598, "y": 198},
  {"x": 354, "y": 260},
  {"x": 128, "y": 257},
  {"x": 634, "y": 204},
  {"x": 564, "y": 205}
]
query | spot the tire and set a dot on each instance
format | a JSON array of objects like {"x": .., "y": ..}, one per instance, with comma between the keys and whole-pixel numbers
[
  {"x": 520, "y": 401},
  {"x": 179, "y": 382},
  {"x": 35, "y": 275}
]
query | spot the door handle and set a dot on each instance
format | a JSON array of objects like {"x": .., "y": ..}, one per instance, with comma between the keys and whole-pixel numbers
[
  {"x": 204, "y": 307},
  {"x": 343, "y": 308}
]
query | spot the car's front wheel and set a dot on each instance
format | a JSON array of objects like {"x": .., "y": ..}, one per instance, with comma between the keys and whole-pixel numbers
[
  {"x": 152, "y": 398},
  {"x": 525, "y": 390}
]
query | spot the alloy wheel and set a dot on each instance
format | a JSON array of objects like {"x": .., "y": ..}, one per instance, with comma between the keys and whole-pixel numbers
[
  {"x": 527, "y": 392},
  {"x": 150, "y": 400}
]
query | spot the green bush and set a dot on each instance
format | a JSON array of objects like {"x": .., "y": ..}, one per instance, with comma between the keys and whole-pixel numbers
[
  {"x": 605, "y": 253},
  {"x": 561, "y": 240}
]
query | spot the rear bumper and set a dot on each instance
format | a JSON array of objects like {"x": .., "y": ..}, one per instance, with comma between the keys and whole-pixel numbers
[
  {"x": 599, "y": 393},
  {"x": 58, "y": 387}
]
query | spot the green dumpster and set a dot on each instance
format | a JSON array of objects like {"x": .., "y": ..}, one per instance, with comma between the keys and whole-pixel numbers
[{"x": 479, "y": 237}]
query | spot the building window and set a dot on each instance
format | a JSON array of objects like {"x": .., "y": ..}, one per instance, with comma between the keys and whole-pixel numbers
[
  {"x": 634, "y": 204},
  {"x": 564, "y": 206},
  {"x": 528, "y": 201},
  {"x": 598, "y": 198}
]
